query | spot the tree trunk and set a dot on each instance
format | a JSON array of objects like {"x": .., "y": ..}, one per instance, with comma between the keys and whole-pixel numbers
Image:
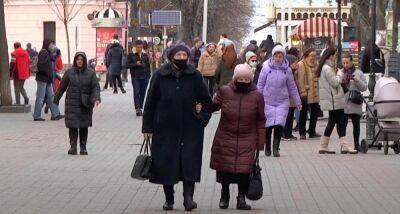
[
  {"x": 68, "y": 45},
  {"x": 5, "y": 90},
  {"x": 396, "y": 4},
  {"x": 381, "y": 6}
]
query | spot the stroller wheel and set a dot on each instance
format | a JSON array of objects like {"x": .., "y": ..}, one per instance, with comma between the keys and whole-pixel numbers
[
  {"x": 396, "y": 147},
  {"x": 379, "y": 146},
  {"x": 386, "y": 147},
  {"x": 364, "y": 146}
]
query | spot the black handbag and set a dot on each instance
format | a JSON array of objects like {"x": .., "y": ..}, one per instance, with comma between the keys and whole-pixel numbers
[
  {"x": 355, "y": 97},
  {"x": 255, "y": 190},
  {"x": 141, "y": 169}
]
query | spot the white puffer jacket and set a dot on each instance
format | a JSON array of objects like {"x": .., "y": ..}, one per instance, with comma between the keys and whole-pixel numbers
[{"x": 330, "y": 91}]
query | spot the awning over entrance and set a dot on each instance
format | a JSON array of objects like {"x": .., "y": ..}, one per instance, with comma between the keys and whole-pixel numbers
[{"x": 314, "y": 28}]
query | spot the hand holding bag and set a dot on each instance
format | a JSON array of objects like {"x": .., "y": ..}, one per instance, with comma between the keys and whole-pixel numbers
[
  {"x": 141, "y": 169},
  {"x": 355, "y": 97},
  {"x": 255, "y": 190}
]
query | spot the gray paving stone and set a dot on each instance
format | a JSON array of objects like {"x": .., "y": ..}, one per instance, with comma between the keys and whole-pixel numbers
[{"x": 37, "y": 176}]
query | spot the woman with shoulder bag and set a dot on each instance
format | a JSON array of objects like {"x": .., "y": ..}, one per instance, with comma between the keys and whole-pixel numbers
[
  {"x": 174, "y": 121},
  {"x": 332, "y": 100},
  {"x": 83, "y": 93},
  {"x": 355, "y": 82},
  {"x": 240, "y": 133}
]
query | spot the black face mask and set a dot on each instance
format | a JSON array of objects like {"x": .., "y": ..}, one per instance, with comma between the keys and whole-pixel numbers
[
  {"x": 180, "y": 63},
  {"x": 242, "y": 85}
]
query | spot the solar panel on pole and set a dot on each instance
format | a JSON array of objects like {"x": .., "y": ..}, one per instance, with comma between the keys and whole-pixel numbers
[{"x": 166, "y": 17}]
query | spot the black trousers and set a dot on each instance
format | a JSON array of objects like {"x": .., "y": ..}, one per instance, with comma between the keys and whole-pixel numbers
[
  {"x": 355, "y": 118},
  {"x": 336, "y": 117},
  {"x": 81, "y": 132},
  {"x": 314, "y": 108},
  {"x": 108, "y": 80},
  {"x": 277, "y": 135},
  {"x": 116, "y": 78},
  {"x": 242, "y": 181},
  {"x": 288, "y": 130},
  {"x": 210, "y": 81}
]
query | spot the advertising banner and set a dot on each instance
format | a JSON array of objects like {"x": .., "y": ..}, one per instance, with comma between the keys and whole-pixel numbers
[{"x": 103, "y": 38}]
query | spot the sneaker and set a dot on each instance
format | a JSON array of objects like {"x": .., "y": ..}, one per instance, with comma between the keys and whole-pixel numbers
[
  {"x": 293, "y": 138},
  {"x": 59, "y": 117},
  {"x": 123, "y": 91}
]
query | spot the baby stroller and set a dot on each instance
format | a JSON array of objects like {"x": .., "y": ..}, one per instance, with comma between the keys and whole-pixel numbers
[{"x": 383, "y": 117}]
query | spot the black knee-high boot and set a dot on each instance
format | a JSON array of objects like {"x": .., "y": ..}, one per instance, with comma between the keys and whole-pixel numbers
[
  {"x": 188, "y": 192},
  {"x": 225, "y": 196},
  {"x": 169, "y": 197}
]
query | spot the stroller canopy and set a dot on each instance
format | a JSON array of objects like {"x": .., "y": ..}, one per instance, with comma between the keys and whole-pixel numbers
[{"x": 387, "y": 97}]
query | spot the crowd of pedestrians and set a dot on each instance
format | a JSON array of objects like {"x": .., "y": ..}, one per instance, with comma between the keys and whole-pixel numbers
[{"x": 258, "y": 92}]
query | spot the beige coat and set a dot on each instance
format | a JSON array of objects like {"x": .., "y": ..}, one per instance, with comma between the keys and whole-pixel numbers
[
  {"x": 208, "y": 64},
  {"x": 307, "y": 82}
]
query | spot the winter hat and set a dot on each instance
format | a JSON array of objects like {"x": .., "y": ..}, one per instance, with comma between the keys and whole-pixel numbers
[
  {"x": 243, "y": 71},
  {"x": 278, "y": 49},
  {"x": 249, "y": 55},
  {"x": 176, "y": 48},
  {"x": 114, "y": 41},
  {"x": 291, "y": 58},
  {"x": 211, "y": 43}
]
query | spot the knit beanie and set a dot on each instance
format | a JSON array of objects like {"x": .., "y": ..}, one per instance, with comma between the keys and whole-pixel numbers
[
  {"x": 249, "y": 55},
  {"x": 291, "y": 59},
  {"x": 243, "y": 71},
  {"x": 176, "y": 48},
  {"x": 278, "y": 49}
]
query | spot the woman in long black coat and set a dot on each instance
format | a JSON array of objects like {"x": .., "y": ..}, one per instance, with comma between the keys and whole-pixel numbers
[
  {"x": 83, "y": 93},
  {"x": 177, "y": 129}
]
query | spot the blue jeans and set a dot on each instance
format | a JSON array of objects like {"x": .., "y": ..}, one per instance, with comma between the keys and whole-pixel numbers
[
  {"x": 139, "y": 91},
  {"x": 45, "y": 91}
]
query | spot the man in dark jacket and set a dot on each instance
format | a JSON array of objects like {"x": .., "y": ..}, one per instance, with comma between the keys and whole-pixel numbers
[
  {"x": 108, "y": 75},
  {"x": 114, "y": 61},
  {"x": 176, "y": 125},
  {"x": 44, "y": 79},
  {"x": 268, "y": 44},
  {"x": 366, "y": 59},
  {"x": 195, "y": 52},
  {"x": 139, "y": 65}
]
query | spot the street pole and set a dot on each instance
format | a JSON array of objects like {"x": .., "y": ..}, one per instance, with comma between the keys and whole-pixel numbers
[
  {"x": 126, "y": 25},
  {"x": 370, "y": 124},
  {"x": 205, "y": 17},
  {"x": 290, "y": 23},
  {"x": 339, "y": 39},
  {"x": 283, "y": 27},
  {"x": 371, "y": 84}
]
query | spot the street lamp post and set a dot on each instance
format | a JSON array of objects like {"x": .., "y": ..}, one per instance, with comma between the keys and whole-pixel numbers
[
  {"x": 205, "y": 17},
  {"x": 371, "y": 84},
  {"x": 339, "y": 39}
]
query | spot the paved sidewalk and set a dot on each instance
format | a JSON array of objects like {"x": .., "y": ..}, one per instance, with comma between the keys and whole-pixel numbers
[{"x": 37, "y": 176}]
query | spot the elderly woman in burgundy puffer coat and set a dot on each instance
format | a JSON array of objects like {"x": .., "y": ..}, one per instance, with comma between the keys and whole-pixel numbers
[
  {"x": 240, "y": 133},
  {"x": 276, "y": 83}
]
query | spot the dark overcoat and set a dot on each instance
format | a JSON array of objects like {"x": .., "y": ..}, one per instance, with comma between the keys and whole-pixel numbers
[
  {"x": 178, "y": 132},
  {"x": 83, "y": 90},
  {"x": 114, "y": 59}
]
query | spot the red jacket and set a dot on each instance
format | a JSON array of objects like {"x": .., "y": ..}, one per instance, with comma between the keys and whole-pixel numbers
[
  {"x": 240, "y": 131},
  {"x": 21, "y": 60}
]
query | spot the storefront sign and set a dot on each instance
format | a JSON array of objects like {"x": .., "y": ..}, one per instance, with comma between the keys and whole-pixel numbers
[{"x": 103, "y": 38}]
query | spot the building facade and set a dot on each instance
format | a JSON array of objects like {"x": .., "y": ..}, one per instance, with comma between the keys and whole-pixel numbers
[{"x": 32, "y": 20}]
